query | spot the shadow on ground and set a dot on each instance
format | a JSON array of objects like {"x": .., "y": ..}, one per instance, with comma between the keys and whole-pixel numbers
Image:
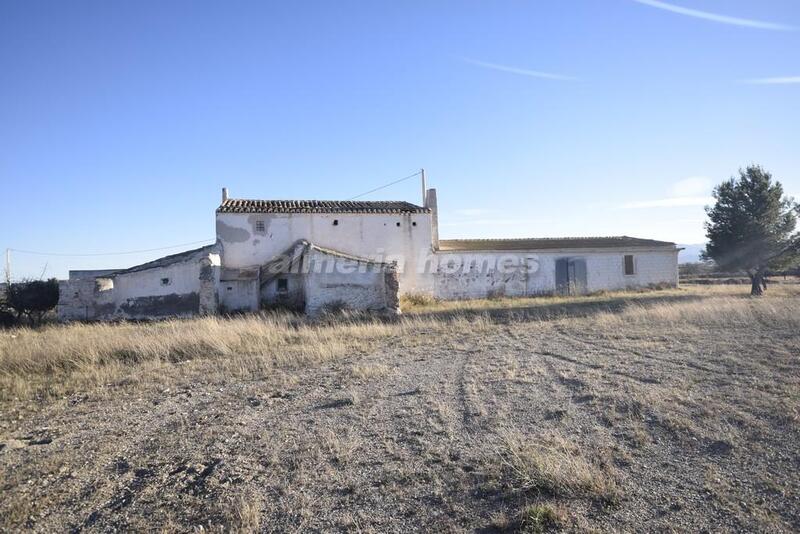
[{"x": 557, "y": 310}]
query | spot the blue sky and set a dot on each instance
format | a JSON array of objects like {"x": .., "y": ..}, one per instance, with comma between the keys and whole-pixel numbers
[{"x": 121, "y": 120}]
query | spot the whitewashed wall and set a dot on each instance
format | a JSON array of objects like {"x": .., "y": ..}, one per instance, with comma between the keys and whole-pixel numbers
[
  {"x": 183, "y": 278},
  {"x": 605, "y": 272},
  {"x": 373, "y": 236}
]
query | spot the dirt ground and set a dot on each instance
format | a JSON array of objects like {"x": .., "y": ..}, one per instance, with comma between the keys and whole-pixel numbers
[{"x": 674, "y": 413}]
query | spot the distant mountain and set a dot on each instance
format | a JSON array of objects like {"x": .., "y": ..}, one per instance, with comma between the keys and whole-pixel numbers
[{"x": 690, "y": 253}]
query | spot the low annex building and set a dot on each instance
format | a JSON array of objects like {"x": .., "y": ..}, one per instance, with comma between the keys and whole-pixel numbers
[{"x": 314, "y": 255}]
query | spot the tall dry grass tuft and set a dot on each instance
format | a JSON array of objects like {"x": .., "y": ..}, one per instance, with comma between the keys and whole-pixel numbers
[
  {"x": 552, "y": 464},
  {"x": 411, "y": 301}
]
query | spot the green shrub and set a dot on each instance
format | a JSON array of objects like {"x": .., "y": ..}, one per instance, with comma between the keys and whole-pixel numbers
[{"x": 32, "y": 299}]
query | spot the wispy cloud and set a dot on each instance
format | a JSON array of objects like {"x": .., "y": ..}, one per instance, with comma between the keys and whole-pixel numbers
[
  {"x": 715, "y": 17},
  {"x": 520, "y": 71},
  {"x": 773, "y": 81}
]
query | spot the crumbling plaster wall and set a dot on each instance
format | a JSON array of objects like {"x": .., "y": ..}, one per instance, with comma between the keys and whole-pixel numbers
[
  {"x": 177, "y": 289},
  {"x": 210, "y": 268},
  {"x": 77, "y": 300},
  {"x": 473, "y": 275},
  {"x": 536, "y": 274},
  {"x": 369, "y": 287},
  {"x": 405, "y": 238},
  {"x": 239, "y": 295}
]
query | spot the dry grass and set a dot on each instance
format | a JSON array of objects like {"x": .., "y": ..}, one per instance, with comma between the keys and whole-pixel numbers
[
  {"x": 366, "y": 371},
  {"x": 555, "y": 466},
  {"x": 60, "y": 360},
  {"x": 417, "y": 300},
  {"x": 57, "y": 361}
]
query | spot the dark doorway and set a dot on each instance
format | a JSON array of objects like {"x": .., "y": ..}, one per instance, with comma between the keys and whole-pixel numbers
[{"x": 571, "y": 276}]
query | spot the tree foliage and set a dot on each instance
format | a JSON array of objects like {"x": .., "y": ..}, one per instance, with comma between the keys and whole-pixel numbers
[
  {"x": 32, "y": 298},
  {"x": 751, "y": 227}
]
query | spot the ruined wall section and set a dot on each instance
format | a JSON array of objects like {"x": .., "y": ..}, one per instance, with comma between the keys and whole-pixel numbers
[
  {"x": 79, "y": 296},
  {"x": 353, "y": 284},
  {"x": 177, "y": 286},
  {"x": 209, "y": 277}
]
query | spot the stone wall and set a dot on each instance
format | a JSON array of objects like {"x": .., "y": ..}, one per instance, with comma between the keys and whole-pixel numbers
[{"x": 209, "y": 282}]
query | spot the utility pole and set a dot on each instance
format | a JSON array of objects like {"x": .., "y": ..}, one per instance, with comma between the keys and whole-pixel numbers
[
  {"x": 8, "y": 265},
  {"x": 424, "y": 185}
]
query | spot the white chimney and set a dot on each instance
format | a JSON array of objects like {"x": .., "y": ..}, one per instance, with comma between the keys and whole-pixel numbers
[
  {"x": 432, "y": 204},
  {"x": 224, "y": 194}
]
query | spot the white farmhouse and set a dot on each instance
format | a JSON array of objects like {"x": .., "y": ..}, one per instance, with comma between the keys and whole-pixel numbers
[{"x": 313, "y": 254}]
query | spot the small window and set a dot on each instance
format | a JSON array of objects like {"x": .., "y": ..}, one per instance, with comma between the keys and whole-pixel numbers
[
  {"x": 414, "y": 223},
  {"x": 229, "y": 288},
  {"x": 336, "y": 222},
  {"x": 165, "y": 281},
  {"x": 629, "y": 265},
  {"x": 398, "y": 224},
  {"x": 283, "y": 285},
  {"x": 259, "y": 226}
]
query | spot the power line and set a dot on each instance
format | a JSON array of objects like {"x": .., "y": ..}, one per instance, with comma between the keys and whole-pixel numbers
[
  {"x": 403, "y": 179},
  {"x": 38, "y": 253}
]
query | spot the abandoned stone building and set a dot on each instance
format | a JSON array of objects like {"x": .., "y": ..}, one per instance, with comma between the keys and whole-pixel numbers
[{"x": 312, "y": 255}]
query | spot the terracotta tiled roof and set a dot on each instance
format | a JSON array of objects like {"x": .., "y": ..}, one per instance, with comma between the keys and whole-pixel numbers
[
  {"x": 550, "y": 243},
  {"x": 235, "y": 205}
]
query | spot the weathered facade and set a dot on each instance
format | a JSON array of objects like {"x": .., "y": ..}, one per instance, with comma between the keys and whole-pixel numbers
[
  {"x": 179, "y": 285},
  {"x": 253, "y": 232},
  {"x": 316, "y": 255}
]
